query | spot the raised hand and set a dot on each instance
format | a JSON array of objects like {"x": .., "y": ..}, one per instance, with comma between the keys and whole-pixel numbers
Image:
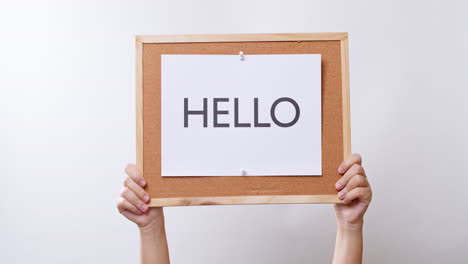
[
  {"x": 133, "y": 200},
  {"x": 355, "y": 191}
]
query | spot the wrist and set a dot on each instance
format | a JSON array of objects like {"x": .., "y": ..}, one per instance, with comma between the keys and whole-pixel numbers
[
  {"x": 349, "y": 227},
  {"x": 154, "y": 228}
]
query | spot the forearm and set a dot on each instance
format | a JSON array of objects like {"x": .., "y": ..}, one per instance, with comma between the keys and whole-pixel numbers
[
  {"x": 153, "y": 241},
  {"x": 348, "y": 245}
]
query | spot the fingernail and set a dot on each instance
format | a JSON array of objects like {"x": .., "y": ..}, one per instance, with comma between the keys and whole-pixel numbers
[
  {"x": 341, "y": 195},
  {"x": 339, "y": 185},
  {"x": 340, "y": 169},
  {"x": 142, "y": 183},
  {"x": 144, "y": 207},
  {"x": 145, "y": 198}
]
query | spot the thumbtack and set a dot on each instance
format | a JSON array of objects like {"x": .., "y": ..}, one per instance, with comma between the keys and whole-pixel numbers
[
  {"x": 243, "y": 172},
  {"x": 241, "y": 54}
]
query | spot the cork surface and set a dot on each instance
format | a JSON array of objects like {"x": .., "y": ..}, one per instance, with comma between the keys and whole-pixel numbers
[{"x": 332, "y": 124}]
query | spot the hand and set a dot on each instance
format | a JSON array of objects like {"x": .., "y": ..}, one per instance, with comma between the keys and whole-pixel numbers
[
  {"x": 354, "y": 190},
  {"x": 133, "y": 201}
]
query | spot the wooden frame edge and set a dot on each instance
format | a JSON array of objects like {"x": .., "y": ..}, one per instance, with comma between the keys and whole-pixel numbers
[
  {"x": 241, "y": 37},
  {"x": 345, "y": 97},
  {"x": 234, "y": 200},
  {"x": 237, "y": 200},
  {"x": 139, "y": 103}
]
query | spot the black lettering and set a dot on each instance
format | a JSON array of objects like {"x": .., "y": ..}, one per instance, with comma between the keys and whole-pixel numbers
[
  {"x": 273, "y": 109},
  {"x": 217, "y": 112},
  {"x": 236, "y": 115},
  {"x": 256, "y": 123},
  {"x": 203, "y": 112}
]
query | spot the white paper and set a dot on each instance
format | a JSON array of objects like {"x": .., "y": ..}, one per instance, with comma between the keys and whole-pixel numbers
[{"x": 227, "y": 151}]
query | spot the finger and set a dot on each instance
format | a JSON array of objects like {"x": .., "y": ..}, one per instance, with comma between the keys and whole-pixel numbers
[
  {"x": 355, "y": 169},
  {"x": 363, "y": 194},
  {"x": 346, "y": 164},
  {"x": 133, "y": 199},
  {"x": 124, "y": 205},
  {"x": 135, "y": 175},
  {"x": 134, "y": 187},
  {"x": 355, "y": 182}
]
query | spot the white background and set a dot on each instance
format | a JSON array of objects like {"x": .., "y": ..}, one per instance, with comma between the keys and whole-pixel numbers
[
  {"x": 67, "y": 131},
  {"x": 196, "y": 150}
]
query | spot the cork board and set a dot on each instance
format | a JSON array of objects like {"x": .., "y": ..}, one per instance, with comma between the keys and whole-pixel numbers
[{"x": 180, "y": 191}]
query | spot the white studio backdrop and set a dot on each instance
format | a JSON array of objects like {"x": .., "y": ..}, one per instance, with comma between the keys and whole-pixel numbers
[{"x": 67, "y": 130}]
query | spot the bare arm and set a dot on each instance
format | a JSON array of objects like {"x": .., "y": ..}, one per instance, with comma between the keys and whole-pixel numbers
[
  {"x": 348, "y": 244},
  {"x": 355, "y": 191},
  {"x": 154, "y": 244},
  {"x": 133, "y": 204}
]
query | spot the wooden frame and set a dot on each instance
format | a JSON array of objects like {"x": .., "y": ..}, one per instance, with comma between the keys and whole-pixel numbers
[{"x": 266, "y": 199}]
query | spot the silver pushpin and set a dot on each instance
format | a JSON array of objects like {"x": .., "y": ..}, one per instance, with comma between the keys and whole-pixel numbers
[
  {"x": 241, "y": 54},
  {"x": 243, "y": 172}
]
